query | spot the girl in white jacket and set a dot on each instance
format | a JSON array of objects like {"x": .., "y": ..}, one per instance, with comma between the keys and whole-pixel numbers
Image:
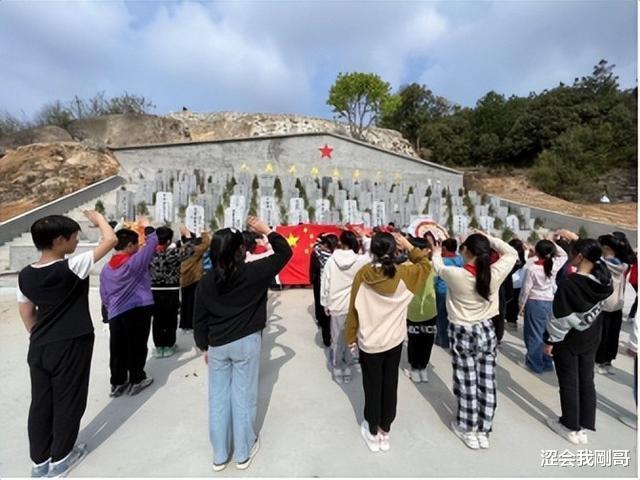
[{"x": 335, "y": 288}]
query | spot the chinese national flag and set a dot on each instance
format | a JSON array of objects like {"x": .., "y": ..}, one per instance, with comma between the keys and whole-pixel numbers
[{"x": 301, "y": 238}]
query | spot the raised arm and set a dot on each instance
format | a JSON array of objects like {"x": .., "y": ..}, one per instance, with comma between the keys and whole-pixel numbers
[
  {"x": 269, "y": 267},
  {"x": 108, "y": 236}
]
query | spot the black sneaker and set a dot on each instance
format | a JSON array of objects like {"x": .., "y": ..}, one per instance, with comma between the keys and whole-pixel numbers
[
  {"x": 117, "y": 390},
  {"x": 138, "y": 387}
]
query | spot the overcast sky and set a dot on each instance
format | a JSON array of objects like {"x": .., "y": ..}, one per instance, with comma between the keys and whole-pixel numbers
[{"x": 283, "y": 56}]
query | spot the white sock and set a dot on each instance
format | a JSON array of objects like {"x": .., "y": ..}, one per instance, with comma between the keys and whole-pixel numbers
[{"x": 43, "y": 463}]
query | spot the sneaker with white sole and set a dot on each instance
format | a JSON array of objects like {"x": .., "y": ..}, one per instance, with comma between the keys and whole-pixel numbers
[
  {"x": 468, "y": 438},
  {"x": 372, "y": 441},
  {"x": 170, "y": 351},
  {"x": 601, "y": 368},
  {"x": 245, "y": 464},
  {"x": 63, "y": 467},
  {"x": 38, "y": 471},
  {"x": 582, "y": 436},
  {"x": 414, "y": 375},
  {"x": 383, "y": 438},
  {"x": 219, "y": 467},
  {"x": 483, "y": 439},
  {"x": 136, "y": 388},
  {"x": 158, "y": 352},
  {"x": 118, "y": 390},
  {"x": 424, "y": 376},
  {"x": 564, "y": 432}
]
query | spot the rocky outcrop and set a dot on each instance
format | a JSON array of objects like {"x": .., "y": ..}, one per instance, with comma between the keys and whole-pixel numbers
[
  {"x": 35, "y": 135},
  {"x": 127, "y": 130},
  {"x": 36, "y": 174},
  {"x": 225, "y": 125}
]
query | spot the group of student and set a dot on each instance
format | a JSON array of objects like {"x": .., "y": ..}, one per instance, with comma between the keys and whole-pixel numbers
[
  {"x": 371, "y": 294},
  {"x": 569, "y": 291}
]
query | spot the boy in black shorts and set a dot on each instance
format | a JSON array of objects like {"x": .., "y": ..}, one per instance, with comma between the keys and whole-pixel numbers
[{"x": 53, "y": 300}]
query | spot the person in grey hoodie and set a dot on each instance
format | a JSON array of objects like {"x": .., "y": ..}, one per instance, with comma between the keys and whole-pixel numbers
[
  {"x": 335, "y": 288},
  {"x": 614, "y": 256}
]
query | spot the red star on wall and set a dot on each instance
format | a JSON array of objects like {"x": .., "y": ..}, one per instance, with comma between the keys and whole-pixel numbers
[{"x": 325, "y": 151}]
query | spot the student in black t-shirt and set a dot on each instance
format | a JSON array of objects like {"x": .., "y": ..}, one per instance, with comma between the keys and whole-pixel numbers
[{"x": 53, "y": 300}]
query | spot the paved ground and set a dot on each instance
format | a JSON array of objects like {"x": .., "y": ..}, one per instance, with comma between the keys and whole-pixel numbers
[{"x": 309, "y": 424}]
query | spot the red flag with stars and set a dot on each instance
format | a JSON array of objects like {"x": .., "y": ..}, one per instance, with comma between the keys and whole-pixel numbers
[{"x": 301, "y": 238}]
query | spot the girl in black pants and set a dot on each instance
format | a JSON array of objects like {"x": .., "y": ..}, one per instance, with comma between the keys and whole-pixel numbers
[
  {"x": 573, "y": 336},
  {"x": 321, "y": 253}
]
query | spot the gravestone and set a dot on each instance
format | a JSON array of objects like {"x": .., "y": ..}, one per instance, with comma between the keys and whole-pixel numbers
[
  {"x": 486, "y": 222},
  {"x": 350, "y": 211},
  {"x": 234, "y": 218},
  {"x": 322, "y": 210},
  {"x": 195, "y": 219},
  {"x": 513, "y": 223},
  {"x": 164, "y": 207},
  {"x": 296, "y": 204},
  {"x": 238, "y": 201},
  {"x": 378, "y": 214},
  {"x": 460, "y": 224},
  {"x": 125, "y": 206}
]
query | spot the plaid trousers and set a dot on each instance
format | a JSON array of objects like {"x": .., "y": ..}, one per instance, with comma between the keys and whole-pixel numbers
[{"x": 473, "y": 354}]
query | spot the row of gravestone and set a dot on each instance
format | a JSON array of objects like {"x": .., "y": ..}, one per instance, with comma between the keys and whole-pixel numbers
[{"x": 345, "y": 201}]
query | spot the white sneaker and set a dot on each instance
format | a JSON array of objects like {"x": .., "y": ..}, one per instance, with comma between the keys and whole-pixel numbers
[
  {"x": 384, "y": 442},
  {"x": 564, "y": 432},
  {"x": 602, "y": 369},
  {"x": 468, "y": 438},
  {"x": 483, "y": 439},
  {"x": 372, "y": 441},
  {"x": 244, "y": 465},
  {"x": 582, "y": 436},
  {"x": 219, "y": 468},
  {"x": 424, "y": 376}
]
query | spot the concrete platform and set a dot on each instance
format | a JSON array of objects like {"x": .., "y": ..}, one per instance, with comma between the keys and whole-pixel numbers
[{"x": 309, "y": 424}]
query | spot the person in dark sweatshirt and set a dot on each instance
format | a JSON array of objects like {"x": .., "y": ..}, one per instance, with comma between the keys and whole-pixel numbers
[
  {"x": 165, "y": 287},
  {"x": 572, "y": 338},
  {"x": 321, "y": 253},
  {"x": 125, "y": 289},
  {"x": 230, "y": 312}
]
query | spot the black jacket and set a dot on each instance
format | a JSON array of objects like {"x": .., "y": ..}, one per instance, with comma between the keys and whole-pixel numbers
[{"x": 221, "y": 317}]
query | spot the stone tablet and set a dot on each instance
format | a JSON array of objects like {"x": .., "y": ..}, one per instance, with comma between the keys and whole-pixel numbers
[
  {"x": 164, "y": 207},
  {"x": 195, "y": 219}
]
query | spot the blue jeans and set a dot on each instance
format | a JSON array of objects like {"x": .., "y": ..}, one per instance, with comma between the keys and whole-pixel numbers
[
  {"x": 442, "y": 324},
  {"x": 233, "y": 397},
  {"x": 536, "y": 316}
]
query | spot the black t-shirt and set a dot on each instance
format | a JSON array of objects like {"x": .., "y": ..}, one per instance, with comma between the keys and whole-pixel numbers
[{"x": 60, "y": 292}]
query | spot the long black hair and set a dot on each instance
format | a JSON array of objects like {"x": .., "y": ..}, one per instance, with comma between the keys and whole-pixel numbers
[
  {"x": 227, "y": 254},
  {"x": 591, "y": 250},
  {"x": 545, "y": 251},
  {"x": 619, "y": 246},
  {"x": 518, "y": 245},
  {"x": 349, "y": 240},
  {"x": 383, "y": 248},
  {"x": 630, "y": 255},
  {"x": 479, "y": 246}
]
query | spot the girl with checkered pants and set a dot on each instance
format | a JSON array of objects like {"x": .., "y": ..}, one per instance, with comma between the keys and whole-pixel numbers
[{"x": 472, "y": 300}]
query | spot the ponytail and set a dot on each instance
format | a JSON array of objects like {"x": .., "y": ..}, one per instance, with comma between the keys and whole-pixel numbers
[
  {"x": 480, "y": 247},
  {"x": 388, "y": 266},
  {"x": 545, "y": 251},
  {"x": 591, "y": 251},
  {"x": 483, "y": 275},
  {"x": 548, "y": 266},
  {"x": 383, "y": 248}
]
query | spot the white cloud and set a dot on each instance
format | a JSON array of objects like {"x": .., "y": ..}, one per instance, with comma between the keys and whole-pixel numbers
[{"x": 283, "y": 56}]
